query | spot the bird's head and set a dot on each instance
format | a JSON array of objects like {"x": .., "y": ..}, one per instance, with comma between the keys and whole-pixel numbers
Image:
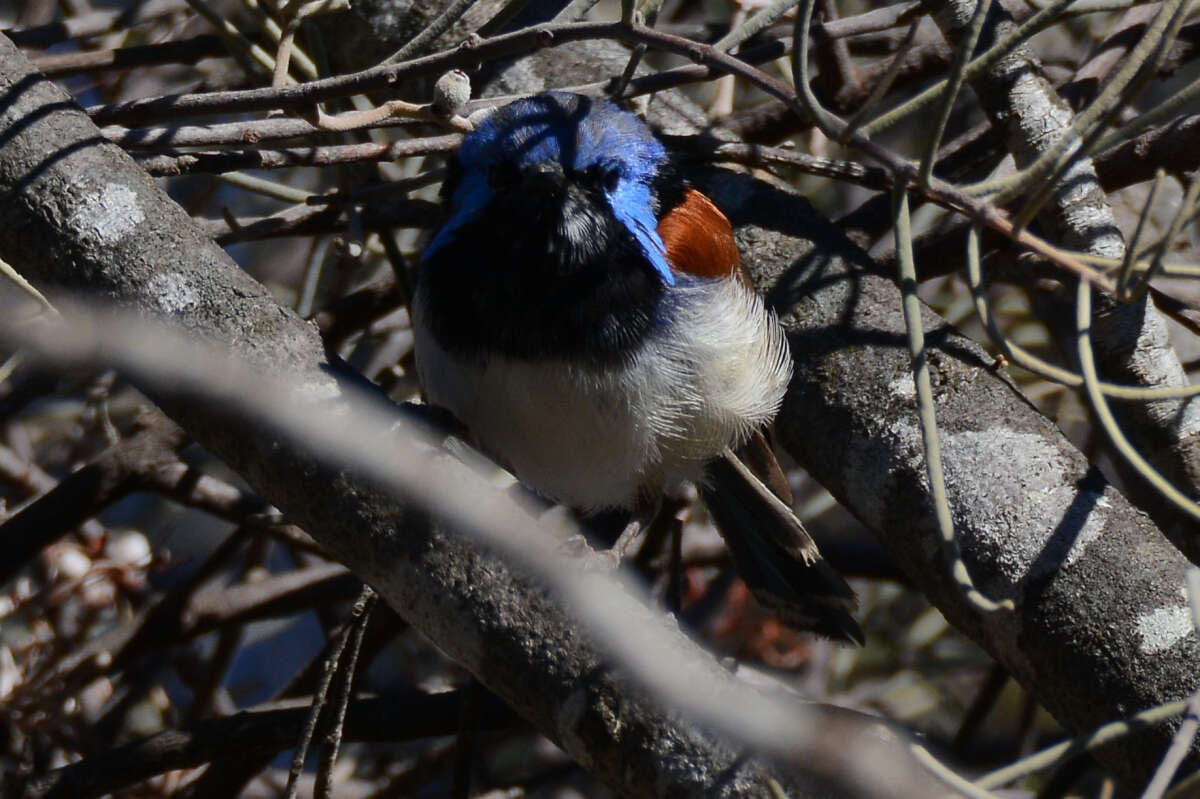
[
  {"x": 566, "y": 227},
  {"x": 563, "y": 179}
]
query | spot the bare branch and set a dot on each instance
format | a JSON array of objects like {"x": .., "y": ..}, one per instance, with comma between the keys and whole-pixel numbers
[
  {"x": 265, "y": 731},
  {"x": 492, "y": 619}
]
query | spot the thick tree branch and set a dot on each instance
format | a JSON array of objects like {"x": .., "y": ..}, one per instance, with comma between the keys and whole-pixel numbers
[
  {"x": 1102, "y": 627},
  {"x": 1090, "y": 653},
  {"x": 78, "y": 214},
  {"x": 1131, "y": 338}
]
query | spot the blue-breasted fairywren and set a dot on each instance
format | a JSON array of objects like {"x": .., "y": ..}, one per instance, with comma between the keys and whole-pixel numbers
[{"x": 583, "y": 312}]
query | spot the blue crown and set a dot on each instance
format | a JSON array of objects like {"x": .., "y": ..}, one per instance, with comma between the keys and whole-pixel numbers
[{"x": 579, "y": 133}]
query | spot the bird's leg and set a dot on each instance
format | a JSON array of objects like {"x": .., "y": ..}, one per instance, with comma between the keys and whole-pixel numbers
[
  {"x": 608, "y": 558},
  {"x": 633, "y": 529},
  {"x": 674, "y": 593},
  {"x": 578, "y": 545},
  {"x": 645, "y": 517}
]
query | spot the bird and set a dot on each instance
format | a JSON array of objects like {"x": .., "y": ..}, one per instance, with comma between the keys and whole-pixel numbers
[{"x": 582, "y": 311}]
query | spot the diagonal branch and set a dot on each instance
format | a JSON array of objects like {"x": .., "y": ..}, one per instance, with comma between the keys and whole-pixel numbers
[
  {"x": 1131, "y": 338},
  {"x": 80, "y": 215},
  {"x": 1101, "y": 627}
]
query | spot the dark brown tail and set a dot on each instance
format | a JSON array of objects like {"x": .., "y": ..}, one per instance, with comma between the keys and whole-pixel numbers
[{"x": 773, "y": 552}]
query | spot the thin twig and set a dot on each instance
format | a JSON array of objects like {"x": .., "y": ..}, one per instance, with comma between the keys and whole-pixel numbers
[
  {"x": 953, "y": 85},
  {"x": 948, "y": 775},
  {"x": 907, "y": 278},
  {"x": 1104, "y": 415},
  {"x": 252, "y": 57},
  {"x": 884, "y": 83},
  {"x": 1065, "y": 750},
  {"x": 1043, "y": 368},
  {"x": 1123, "y": 276},
  {"x": 415, "y": 46},
  {"x": 243, "y": 132},
  {"x": 360, "y": 615},
  {"x": 186, "y": 51},
  {"x": 319, "y": 700},
  {"x": 326, "y": 155},
  {"x": 1183, "y": 214},
  {"x": 267, "y": 188},
  {"x": 464, "y": 744},
  {"x": 767, "y": 16}
]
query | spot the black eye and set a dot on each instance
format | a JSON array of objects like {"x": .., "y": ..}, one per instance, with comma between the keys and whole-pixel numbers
[
  {"x": 605, "y": 177},
  {"x": 504, "y": 175}
]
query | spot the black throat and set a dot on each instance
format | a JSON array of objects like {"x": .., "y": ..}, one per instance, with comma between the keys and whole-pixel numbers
[{"x": 550, "y": 276}]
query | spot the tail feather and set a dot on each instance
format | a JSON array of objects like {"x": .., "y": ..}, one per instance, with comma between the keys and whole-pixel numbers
[{"x": 775, "y": 555}]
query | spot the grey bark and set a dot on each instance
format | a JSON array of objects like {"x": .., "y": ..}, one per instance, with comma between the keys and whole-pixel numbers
[
  {"x": 1095, "y": 638},
  {"x": 1102, "y": 628},
  {"x": 77, "y": 214},
  {"x": 1130, "y": 338}
]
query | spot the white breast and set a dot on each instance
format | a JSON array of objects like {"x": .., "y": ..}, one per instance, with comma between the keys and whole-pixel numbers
[{"x": 596, "y": 438}]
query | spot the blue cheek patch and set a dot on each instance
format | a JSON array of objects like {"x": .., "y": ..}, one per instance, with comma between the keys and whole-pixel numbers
[
  {"x": 631, "y": 205},
  {"x": 472, "y": 195},
  {"x": 578, "y": 134}
]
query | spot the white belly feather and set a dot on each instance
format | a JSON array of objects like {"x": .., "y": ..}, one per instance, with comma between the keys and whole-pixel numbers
[{"x": 597, "y": 438}]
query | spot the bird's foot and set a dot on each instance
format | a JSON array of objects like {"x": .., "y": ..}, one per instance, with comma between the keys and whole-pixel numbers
[
  {"x": 632, "y": 530},
  {"x": 578, "y": 547}
]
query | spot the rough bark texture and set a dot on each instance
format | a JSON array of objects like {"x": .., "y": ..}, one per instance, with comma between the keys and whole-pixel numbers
[
  {"x": 1102, "y": 627},
  {"x": 1131, "y": 339},
  {"x": 77, "y": 213}
]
